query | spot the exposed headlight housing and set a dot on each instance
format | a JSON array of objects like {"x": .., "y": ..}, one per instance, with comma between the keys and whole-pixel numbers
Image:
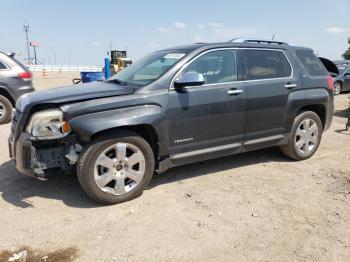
[{"x": 48, "y": 124}]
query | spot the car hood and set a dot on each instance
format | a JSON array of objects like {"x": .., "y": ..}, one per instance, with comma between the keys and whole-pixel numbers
[{"x": 74, "y": 93}]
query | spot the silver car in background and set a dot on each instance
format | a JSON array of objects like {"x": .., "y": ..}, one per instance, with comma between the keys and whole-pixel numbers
[{"x": 15, "y": 80}]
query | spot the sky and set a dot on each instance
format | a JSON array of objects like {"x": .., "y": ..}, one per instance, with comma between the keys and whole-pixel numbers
[{"x": 83, "y": 31}]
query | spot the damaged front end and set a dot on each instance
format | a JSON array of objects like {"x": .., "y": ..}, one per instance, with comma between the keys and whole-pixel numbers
[{"x": 43, "y": 143}]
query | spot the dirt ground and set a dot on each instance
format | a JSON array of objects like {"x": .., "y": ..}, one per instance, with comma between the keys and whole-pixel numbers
[{"x": 258, "y": 206}]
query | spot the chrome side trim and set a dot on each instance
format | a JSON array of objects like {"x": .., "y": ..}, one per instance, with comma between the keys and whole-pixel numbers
[
  {"x": 263, "y": 139},
  {"x": 205, "y": 151}
]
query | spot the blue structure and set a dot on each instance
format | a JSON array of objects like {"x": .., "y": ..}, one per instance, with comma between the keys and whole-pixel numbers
[
  {"x": 107, "y": 68},
  {"x": 87, "y": 77}
]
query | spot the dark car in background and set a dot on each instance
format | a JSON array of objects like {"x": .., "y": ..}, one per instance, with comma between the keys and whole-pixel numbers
[
  {"x": 15, "y": 80},
  {"x": 174, "y": 107},
  {"x": 342, "y": 81}
]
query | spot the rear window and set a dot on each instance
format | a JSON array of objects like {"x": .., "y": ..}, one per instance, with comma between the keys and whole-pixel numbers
[
  {"x": 20, "y": 64},
  {"x": 266, "y": 64},
  {"x": 311, "y": 63},
  {"x": 2, "y": 66}
]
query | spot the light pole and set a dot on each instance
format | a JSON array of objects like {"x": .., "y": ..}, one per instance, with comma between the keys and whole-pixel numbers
[
  {"x": 34, "y": 44},
  {"x": 26, "y": 30}
]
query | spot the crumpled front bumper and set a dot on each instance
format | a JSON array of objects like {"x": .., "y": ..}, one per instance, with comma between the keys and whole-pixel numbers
[
  {"x": 21, "y": 152},
  {"x": 32, "y": 160}
]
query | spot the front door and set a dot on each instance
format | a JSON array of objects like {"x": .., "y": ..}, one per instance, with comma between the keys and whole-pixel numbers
[{"x": 208, "y": 118}]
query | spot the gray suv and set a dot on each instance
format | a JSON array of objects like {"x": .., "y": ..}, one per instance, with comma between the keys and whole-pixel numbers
[
  {"x": 15, "y": 80},
  {"x": 174, "y": 107},
  {"x": 342, "y": 81}
]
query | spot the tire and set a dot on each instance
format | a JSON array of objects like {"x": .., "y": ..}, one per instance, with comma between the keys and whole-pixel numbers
[
  {"x": 5, "y": 110},
  {"x": 303, "y": 142},
  {"x": 93, "y": 164},
  {"x": 337, "y": 88}
]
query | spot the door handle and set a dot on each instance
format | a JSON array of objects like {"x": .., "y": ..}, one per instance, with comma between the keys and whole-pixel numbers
[
  {"x": 234, "y": 92},
  {"x": 290, "y": 86}
]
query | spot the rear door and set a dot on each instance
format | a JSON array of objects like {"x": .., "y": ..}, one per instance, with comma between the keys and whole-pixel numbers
[{"x": 269, "y": 79}]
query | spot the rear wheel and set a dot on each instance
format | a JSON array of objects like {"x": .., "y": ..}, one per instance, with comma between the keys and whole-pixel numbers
[
  {"x": 305, "y": 136},
  {"x": 337, "y": 88},
  {"x": 5, "y": 110},
  {"x": 117, "y": 169}
]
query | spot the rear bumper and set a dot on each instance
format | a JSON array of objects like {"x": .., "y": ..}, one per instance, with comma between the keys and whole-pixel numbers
[{"x": 329, "y": 116}]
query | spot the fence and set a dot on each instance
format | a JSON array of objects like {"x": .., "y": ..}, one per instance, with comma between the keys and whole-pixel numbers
[{"x": 65, "y": 68}]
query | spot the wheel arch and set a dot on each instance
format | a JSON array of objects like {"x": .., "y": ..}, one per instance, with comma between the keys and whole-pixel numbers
[
  {"x": 338, "y": 81},
  {"x": 318, "y": 109},
  {"x": 4, "y": 92},
  {"x": 146, "y": 131}
]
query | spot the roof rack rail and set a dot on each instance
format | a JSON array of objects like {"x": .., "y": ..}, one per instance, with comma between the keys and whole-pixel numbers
[{"x": 255, "y": 40}]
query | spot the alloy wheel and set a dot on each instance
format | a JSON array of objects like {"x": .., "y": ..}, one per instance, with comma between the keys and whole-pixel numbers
[
  {"x": 306, "y": 138},
  {"x": 2, "y": 110},
  {"x": 119, "y": 168},
  {"x": 337, "y": 88}
]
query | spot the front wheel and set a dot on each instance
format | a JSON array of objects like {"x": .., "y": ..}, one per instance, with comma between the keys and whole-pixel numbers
[
  {"x": 117, "y": 169},
  {"x": 305, "y": 136}
]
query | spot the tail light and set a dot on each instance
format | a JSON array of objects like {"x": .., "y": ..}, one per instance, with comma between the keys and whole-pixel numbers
[
  {"x": 330, "y": 82},
  {"x": 26, "y": 75}
]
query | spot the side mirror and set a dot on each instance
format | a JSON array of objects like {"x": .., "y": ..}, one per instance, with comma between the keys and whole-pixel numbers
[{"x": 188, "y": 79}]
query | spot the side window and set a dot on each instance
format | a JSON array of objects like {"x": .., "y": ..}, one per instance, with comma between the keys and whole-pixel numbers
[
  {"x": 347, "y": 71},
  {"x": 287, "y": 69},
  {"x": 2, "y": 66},
  {"x": 311, "y": 63},
  {"x": 265, "y": 64},
  {"x": 216, "y": 67}
]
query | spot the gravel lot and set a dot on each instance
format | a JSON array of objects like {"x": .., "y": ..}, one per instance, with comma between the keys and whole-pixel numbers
[{"x": 258, "y": 206}]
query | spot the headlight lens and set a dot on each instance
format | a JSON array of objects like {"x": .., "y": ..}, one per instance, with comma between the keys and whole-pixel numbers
[{"x": 48, "y": 124}]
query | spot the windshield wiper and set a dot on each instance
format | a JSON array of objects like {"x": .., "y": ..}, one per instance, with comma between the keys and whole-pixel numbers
[{"x": 117, "y": 81}]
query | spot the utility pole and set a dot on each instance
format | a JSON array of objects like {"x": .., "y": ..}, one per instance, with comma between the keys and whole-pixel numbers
[
  {"x": 26, "y": 30},
  {"x": 34, "y": 44},
  {"x": 35, "y": 61}
]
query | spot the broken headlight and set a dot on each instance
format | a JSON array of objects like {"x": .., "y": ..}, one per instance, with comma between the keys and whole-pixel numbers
[{"x": 48, "y": 124}]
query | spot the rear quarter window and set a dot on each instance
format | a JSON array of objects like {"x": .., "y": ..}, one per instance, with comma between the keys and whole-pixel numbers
[
  {"x": 2, "y": 66},
  {"x": 311, "y": 63}
]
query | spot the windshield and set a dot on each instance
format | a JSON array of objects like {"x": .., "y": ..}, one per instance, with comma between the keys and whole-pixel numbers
[{"x": 149, "y": 68}]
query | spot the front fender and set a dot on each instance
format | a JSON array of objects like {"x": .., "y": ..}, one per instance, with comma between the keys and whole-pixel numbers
[{"x": 86, "y": 126}]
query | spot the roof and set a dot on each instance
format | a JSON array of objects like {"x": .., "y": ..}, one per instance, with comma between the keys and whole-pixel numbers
[{"x": 262, "y": 44}]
